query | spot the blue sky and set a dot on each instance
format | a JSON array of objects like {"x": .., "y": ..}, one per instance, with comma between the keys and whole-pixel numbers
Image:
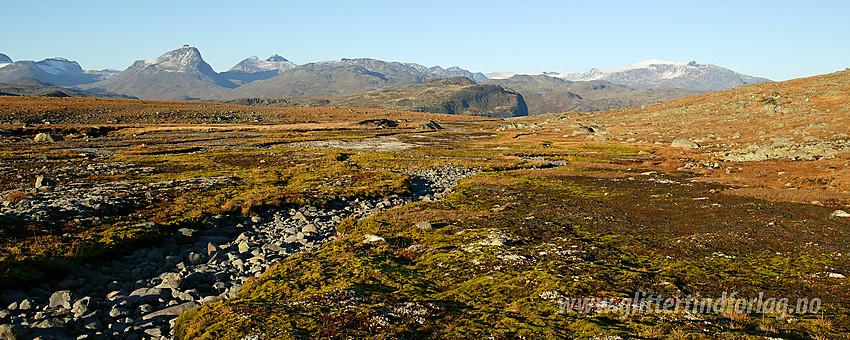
[{"x": 774, "y": 39}]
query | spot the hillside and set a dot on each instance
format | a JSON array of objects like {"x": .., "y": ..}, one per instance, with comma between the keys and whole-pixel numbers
[
  {"x": 545, "y": 94},
  {"x": 332, "y": 78},
  {"x": 458, "y": 95}
]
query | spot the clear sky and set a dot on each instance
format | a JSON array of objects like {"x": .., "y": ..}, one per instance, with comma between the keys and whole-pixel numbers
[{"x": 775, "y": 39}]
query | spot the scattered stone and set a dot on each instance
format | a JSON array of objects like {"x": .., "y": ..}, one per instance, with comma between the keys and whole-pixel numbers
[
  {"x": 424, "y": 225},
  {"x": 140, "y": 295}
]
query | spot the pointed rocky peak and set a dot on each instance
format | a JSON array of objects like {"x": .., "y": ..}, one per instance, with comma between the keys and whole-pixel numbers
[
  {"x": 276, "y": 57},
  {"x": 184, "y": 59},
  {"x": 4, "y": 59}
]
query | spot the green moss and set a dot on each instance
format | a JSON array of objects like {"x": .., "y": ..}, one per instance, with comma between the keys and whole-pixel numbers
[{"x": 501, "y": 242}]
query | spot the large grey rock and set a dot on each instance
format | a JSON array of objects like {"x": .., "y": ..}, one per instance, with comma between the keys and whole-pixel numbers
[
  {"x": 61, "y": 298},
  {"x": 424, "y": 225},
  {"x": 685, "y": 143}
]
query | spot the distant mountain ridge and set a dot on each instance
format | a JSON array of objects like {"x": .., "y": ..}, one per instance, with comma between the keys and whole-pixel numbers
[
  {"x": 182, "y": 74},
  {"x": 456, "y": 95},
  {"x": 333, "y": 78},
  {"x": 658, "y": 74},
  {"x": 454, "y": 71},
  {"x": 54, "y": 71},
  {"x": 545, "y": 94}
]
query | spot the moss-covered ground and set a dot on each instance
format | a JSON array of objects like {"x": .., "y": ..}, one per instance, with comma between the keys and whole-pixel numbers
[
  {"x": 509, "y": 248},
  {"x": 550, "y": 219}
]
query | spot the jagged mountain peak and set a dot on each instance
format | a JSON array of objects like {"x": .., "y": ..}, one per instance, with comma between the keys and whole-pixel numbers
[
  {"x": 253, "y": 64},
  {"x": 183, "y": 59},
  {"x": 276, "y": 57}
]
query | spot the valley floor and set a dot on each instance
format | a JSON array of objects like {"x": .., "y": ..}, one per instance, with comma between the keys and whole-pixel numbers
[{"x": 327, "y": 223}]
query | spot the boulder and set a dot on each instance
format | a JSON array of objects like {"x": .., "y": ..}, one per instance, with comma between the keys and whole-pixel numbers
[
  {"x": 424, "y": 225},
  {"x": 839, "y": 214},
  {"x": 172, "y": 311},
  {"x": 83, "y": 307},
  {"x": 61, "y": 298},
  {"x": 48, "y": 138},
  {"x": 41, "y": 182},
  {"x": 430, "y": 125},
  {"x": 685, "y": 143}
]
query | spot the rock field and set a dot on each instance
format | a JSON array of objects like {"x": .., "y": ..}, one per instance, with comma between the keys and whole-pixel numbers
[{"x": 138, "y": 296}]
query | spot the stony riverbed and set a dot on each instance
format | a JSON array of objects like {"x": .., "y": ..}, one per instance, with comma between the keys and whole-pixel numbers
[{"x": 138, "y": 296}]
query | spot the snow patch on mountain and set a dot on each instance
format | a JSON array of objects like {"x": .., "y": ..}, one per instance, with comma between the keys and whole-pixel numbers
[
  {"x": 501, "y": 74},
  {"x": 253, "y": 64},
  {"x": 658, "y": 74}
]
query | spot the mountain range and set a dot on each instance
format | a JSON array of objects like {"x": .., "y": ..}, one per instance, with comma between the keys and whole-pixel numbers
[
  {"x": 658, "y": 74},
  {"x": 182, "y": 74},
  {"x": 546, "y": 94}
]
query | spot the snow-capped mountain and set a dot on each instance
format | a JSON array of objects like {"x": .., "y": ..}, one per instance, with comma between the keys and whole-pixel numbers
[
  {"x": 454, "y": 71},
  {"x": 659, "y": 74},
  {"x": 4, "y": 60},
  {"x": 501, "y": 74},
  {"x": 178, "y": 74},
  {"x": 253, "y": 69},
  {"x": 54, "y": 71},
  {"x": 254, "y": 64}
]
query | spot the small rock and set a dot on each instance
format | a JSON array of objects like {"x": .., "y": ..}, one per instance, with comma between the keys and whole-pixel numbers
[
  {"x": 424, "y": 225},
  {"x": 839, "y": 213},
  {"x": 309, "y": 229},
  {"x": 369, "y": 238},
  {"x": 42, "y": 182},
  {"x": 687, "y": 144}
]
